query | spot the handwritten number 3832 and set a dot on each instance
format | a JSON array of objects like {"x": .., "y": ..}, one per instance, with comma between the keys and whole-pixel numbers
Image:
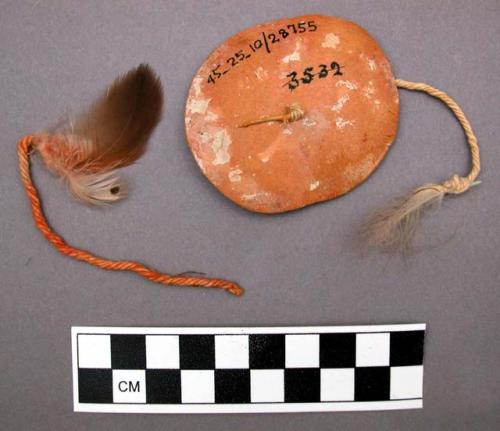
[{"x": 308, "y": 74}]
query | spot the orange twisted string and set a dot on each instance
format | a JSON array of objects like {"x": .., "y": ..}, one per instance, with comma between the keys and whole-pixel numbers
[{"x": 23, "y": 150}]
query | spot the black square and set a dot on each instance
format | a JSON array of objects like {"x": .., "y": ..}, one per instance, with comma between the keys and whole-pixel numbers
[
  {"x": 95, "y": 385},
  {"x": 163, "y": 386},
  {"x": 232, "y": 386},
  {"x": 407, "y": 348},
  {"x": 267, "y": 351},
  {"x": 372, "y": 383},
  {"x": 337, "y": 350},
  {"x": 128, "y": 352},
  {"x": 302, "y": 385},
  {"x": 197, "y": 352}
]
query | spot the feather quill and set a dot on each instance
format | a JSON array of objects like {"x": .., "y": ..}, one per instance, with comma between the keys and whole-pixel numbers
[{"x": 112, "y": 134}]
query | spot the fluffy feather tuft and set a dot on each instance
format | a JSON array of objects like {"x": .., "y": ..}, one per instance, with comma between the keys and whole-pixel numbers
[
  {"x": 393, "y": 227},
  {"x": 98, "y": 188},
  {"x": 112, "y": 134}
]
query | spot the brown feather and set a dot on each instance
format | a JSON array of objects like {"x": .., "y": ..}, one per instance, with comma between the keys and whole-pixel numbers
[
  {"x": 122, "y": 120},
  {"x": 112, "y": 134}
]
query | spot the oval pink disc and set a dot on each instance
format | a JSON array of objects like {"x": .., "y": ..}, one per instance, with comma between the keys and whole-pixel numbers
[{"x": 334, "y": 70}]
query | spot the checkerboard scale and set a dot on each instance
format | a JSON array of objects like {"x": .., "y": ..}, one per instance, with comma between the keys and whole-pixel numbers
[{"x": 230, "y": 370}]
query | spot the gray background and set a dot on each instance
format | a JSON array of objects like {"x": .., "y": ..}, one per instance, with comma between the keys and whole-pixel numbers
[{"x": 298, "y": 268}]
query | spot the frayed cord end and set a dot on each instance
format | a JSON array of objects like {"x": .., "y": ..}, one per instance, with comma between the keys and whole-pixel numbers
[{"x": 393, "y": 228}]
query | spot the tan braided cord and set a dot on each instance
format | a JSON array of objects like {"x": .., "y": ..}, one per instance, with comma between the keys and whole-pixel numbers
[{"x": 456, "y": 184}]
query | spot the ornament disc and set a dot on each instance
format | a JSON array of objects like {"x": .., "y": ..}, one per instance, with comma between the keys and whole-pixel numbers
[{"x": 334, "y": 70}]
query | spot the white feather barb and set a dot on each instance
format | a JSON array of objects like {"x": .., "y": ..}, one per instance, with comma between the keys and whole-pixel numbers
[{"x": 97, "y": 189}]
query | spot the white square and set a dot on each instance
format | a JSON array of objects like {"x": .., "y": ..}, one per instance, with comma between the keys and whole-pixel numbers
[
  {"x": 197, "y": 386},
  {"x": 406, "y": 382},
  {"x": 162, "y": 351},
  {"x": 129, "y": 386},
  {"x": 372, "y": 350},
  {"x": 94, "y": 351},
  {"x": 231, "y": 351},
  {"x": 267, "y": 386},
  {"x": 302, "y": 351},
  {"x": 337, "y": 384}
]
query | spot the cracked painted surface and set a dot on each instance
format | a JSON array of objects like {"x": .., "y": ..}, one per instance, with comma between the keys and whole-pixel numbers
[
  {"x": 198, "y": 106},
  {"x": 331, "y": 41},
  {"x": 340, "y": 123},
  {"x": 350, "y": 120},
  {"x": 339, "y": 104},
  {"x": 235, "y": 175},
  {"x": 220, "y": 146},
  {"x": 261, "y": 73},
  {"x": 347, "y": 84},
  {"x": 314, "y": 185},
  {"x": 294, "y": 56}
]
